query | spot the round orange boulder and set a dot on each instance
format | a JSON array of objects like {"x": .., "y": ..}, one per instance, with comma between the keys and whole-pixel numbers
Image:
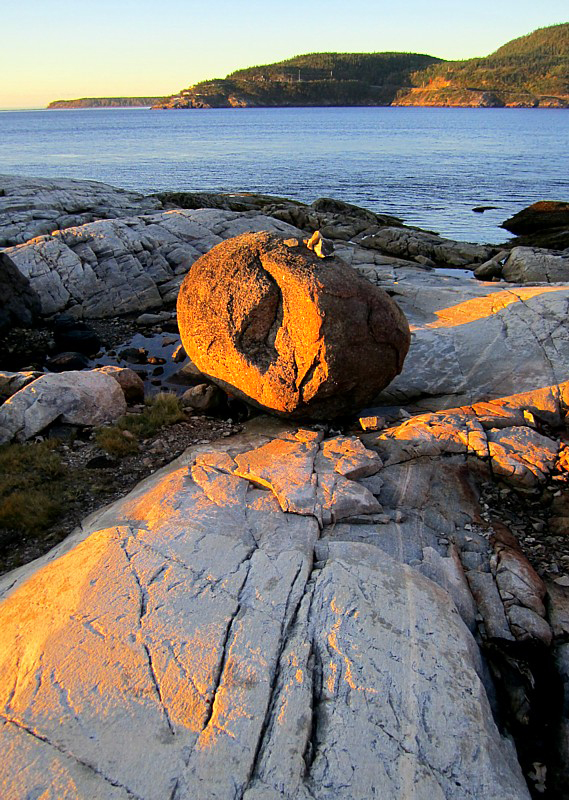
[{"x": 297, "y": 335}]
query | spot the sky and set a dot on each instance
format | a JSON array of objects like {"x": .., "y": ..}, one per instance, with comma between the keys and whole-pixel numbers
[{"x": 66, "y": 49}]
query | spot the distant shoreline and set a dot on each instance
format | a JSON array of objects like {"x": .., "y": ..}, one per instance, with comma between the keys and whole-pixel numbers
[
  {"x": 271, "y": 107},
  {"x": 106, "y": 102}
]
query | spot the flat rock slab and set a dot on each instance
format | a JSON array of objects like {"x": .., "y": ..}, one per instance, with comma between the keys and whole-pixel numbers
[
  {"x": 520, "y": 331},
  {"x": 196, "y": 640}
]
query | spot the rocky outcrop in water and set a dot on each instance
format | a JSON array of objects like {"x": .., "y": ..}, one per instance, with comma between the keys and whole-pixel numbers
[
  {"x": 292, "y": 332},
  {"x": 538, "y": 217}
]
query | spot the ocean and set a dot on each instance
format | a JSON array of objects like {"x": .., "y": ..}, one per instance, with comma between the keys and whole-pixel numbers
[{"x": 429, "y": 166}]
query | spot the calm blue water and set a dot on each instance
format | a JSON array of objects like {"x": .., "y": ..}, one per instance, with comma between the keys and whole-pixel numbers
[{"x": 428, "y": 166}]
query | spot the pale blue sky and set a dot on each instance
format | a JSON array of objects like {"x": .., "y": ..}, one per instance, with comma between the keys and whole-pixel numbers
[{"x": 62, "y": 49}]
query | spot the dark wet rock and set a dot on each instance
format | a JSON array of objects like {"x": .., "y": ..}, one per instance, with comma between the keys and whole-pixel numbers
[
  {"x": 540, "y": 216},
  {"x": 20, "y": 304},
  {"x": 134, "y": 355},
  {"x": 73, "y": 335},
  {"x": 189, "y": 375},
  {"x": 63, "y": 362},
  {"x": 100, "y": 462}
]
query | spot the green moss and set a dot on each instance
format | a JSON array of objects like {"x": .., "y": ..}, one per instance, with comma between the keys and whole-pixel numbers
[{"x": 160, "y": 410}]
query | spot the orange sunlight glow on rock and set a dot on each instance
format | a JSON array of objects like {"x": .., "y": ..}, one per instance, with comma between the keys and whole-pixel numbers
[{"x": 481, "y": 307}]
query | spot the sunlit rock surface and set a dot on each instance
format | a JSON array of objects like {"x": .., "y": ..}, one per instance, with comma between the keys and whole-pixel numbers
[
  {"x": 470, "y": 340},
  {"x": 224, "y": 632},
  {"x": 296, "y": 334}
]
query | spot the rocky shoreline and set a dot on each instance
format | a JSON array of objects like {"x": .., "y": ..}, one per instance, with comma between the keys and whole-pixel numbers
[{"x": 246, "y": 610}]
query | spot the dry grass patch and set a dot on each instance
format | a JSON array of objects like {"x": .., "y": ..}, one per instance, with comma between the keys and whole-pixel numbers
[{"x": 31, "y": 479}]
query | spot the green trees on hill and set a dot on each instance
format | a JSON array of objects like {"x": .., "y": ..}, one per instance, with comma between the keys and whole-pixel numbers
[
  {"x": 537, "y": 63},
  {"x": 372, "y": 68}
]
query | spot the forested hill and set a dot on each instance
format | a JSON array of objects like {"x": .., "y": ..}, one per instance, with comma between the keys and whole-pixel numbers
[
  {"x": 530, "y": 71},
  {"x": 316, "y": 79}
]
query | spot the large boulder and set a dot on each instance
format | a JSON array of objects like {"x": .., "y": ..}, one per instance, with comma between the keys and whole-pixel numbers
[
  {"x": 295, "y": 334},
  {"x": 76, "y": 398},
  {"x": 533, "y": 264}
]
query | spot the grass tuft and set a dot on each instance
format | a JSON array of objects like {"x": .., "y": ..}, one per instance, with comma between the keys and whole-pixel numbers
[
  {"x": 160, "y": 410},
  {"x": 114, "y": 442}
]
